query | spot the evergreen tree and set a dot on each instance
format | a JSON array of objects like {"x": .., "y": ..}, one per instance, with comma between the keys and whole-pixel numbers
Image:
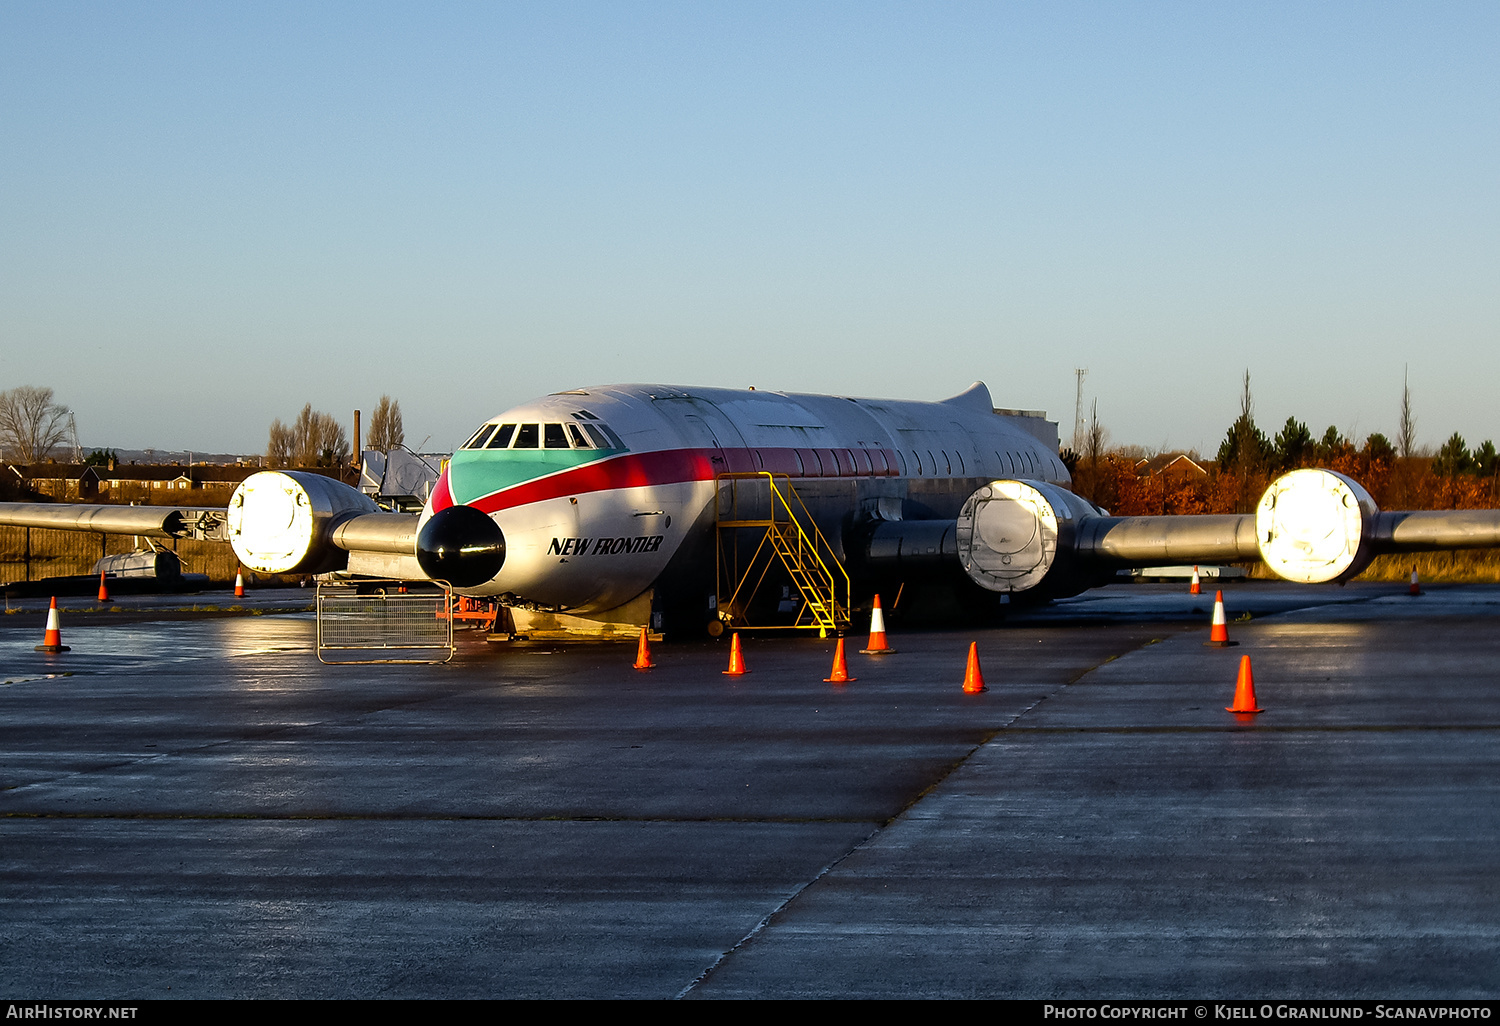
[
  {"x": 1378, "y": 449},
  {"x": 1453, "y": 458},
  {"x": 1293, "y": 443},
  {"x": 1245, "y": 448},
  {"x": 1486, "y": 460}
]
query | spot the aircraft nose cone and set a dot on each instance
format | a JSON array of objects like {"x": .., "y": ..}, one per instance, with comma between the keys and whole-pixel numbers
[{"x": 461, "y": 545}]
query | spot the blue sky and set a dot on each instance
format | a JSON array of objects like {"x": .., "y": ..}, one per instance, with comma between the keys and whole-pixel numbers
[{"x": 211, "y": 214}]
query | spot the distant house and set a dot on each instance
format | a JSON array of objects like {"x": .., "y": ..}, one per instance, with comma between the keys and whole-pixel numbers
[
  {"x": 56, "y": 480},
  {"x": 125, "y": 482},
  {"x": 1174, "y": 466}
]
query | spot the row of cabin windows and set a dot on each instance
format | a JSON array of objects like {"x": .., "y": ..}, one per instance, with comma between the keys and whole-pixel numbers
[
  {"x": 941, "y": 461},
  {"x": 566, "y": 435},
  {"x": 860, "y": 462}
]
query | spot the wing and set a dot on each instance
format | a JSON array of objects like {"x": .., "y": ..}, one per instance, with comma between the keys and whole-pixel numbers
[
  {"x": 1011, "y": 536},
  {"x": 1310, "y": 526},
  {"x": 277, "y": 521}
]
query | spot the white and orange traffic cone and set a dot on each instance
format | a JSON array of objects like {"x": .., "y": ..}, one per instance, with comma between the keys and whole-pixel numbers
[
  {"x": 1218, "y": 635},
  {"x": 1244, "y": 690},
  {"x": 1416, "y": 586},
  {"x": 1195, "y": 588},
  {"x": 103, "y": 590},
  {"x": 840, "y": 674},
  {"x": 878, "y": 644},
  {"x": 973, "y": 678},
  {"x": 239, "y": 584},
  {"x": 643, "y": 652},
  {"x": 736, "y": 658},
  {"x": 52, "y": 640}
]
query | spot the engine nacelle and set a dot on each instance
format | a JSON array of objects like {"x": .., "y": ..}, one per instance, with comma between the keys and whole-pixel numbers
[
  {"x": 1015, "y": 535},
  {"x": 282, "y": 521},
  {"x": 1314, "y": 526}
]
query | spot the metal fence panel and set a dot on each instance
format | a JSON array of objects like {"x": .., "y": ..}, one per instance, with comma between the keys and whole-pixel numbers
[{"x": 383, "y": 625}]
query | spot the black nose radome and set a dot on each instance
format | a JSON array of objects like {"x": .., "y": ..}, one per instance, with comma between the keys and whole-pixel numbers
[{"x": 462, "y": 546}]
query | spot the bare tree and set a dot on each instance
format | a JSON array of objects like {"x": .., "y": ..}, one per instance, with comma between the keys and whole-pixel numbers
[
  {"x": 313, "y": 440},
  {"x": 1088, "y": 477},
  {"x": 386, "y": 432},
  {"x": 1094, "y": 441},
  {"x": 279, "y": 447},
  {"x": 1406, "y": 431},
  {"x": 31, "y": 424}
]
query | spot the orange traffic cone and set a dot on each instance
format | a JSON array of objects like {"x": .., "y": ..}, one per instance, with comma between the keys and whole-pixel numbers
[
  {"x": 1195, "y": 588},
  {"x": 103, "y": 590},
  {"x": 1244, "y": 690},
  {"x": 52, "y": 640},
  {"x": 1416, "y": 588},
  {"x": 239, "y": 584},
  {"x": 1218, "y": 635},
  {"x": 643, "y": 653},
  {"x": 736, "y": 657},
  {"x": 878, "y": 644},
  {"x": 973, "y": 678},
  {"x": 840, "y": 667}
]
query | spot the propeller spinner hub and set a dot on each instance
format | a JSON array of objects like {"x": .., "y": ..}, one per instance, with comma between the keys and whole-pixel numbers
[{"x": 461, "y": 545}]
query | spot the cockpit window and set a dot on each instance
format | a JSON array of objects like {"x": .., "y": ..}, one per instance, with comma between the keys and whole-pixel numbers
[
  {"x": 528, "y": 436},
  {"x": 555, "y": 437},
  {"x": 478, "y": 440},
  {"x": 579, "y": 442},
  {"x": 614, "y": 439},
  {"x": 600, "y": 442},
  {"x": 501, "y": 439}
]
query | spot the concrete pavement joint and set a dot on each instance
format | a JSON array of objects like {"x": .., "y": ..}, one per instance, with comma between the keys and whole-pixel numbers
[
  {"x": 405, "y": 817},
  {"x": 944, "y": 775},
  {"x": 766, "y": 919}
]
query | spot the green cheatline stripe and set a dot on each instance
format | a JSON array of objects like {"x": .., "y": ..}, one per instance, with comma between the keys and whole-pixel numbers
[{"x": 475, "y": 473}]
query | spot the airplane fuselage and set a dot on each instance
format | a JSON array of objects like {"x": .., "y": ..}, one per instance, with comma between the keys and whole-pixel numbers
[{"x": 597, "y": 489}]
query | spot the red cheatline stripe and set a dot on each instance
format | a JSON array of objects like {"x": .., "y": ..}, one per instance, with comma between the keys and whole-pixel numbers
[
  {"x": 442, "y": 495},
  {"x": 668, "y": 466},
  {"x": 631, "y": 470}
]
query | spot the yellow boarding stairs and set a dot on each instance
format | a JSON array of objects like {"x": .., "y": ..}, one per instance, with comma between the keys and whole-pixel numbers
[{"x": 767, "y": 503}]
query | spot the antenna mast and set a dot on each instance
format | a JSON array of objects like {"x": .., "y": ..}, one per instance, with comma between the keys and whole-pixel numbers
[{"x": 1080, "y": 373}]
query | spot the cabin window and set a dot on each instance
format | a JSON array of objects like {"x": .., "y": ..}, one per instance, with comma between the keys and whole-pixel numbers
[
  {"x": 579, "y": 442},
  {"x": 528, "y": 436},
  {"x": 477, "y": 441},
  {"x": 555, "y": 437},
  {"x": 502, "y": 438}
]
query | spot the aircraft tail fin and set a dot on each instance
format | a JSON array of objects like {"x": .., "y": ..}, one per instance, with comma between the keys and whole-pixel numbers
[{"x": 975, "y": 397}]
